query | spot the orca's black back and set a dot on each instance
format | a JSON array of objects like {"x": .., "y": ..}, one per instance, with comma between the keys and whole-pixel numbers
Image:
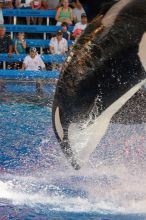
[{"x": 95, "y": 7}]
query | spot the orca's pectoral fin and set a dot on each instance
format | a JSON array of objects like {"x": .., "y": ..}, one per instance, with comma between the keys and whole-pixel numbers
[{"x": 69, "y": 155}]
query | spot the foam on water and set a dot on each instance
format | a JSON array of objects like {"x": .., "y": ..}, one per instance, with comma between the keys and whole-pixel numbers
[{"x": 105, "y": 186}]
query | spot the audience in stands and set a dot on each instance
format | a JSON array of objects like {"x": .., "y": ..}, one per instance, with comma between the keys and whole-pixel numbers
[
  {"x": 64, "y": 14},
  {"x": 33, "y": 61},
  {"x": 20, "y": 44},
  {"x": 24, "y": 4},
  {"x": 58, "y": 44},
  {"x": 80, "y": 26},
  {"x": 65, "y": 32},
  {"x": 78, "y": 11}
]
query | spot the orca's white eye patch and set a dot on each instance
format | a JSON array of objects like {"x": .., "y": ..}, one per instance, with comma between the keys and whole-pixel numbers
[{"x": 58, "y": 125}]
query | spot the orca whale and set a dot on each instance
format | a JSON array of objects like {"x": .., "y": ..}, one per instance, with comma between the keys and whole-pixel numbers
[{"x": 103, "y": 71}]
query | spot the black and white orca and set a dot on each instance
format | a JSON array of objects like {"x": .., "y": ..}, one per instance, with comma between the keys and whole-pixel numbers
[{"x": 106, "y": 67}]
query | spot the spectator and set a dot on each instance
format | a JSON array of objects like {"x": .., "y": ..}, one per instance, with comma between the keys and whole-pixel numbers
[
  {"x": 65, "y": 32},
  {"x": 36, "y": 5},
  {"x": 77, "y": 33},
  {"x": 24, "y": 4},
  {"x": 78, "y": 11},
  {"x": 33, "y": 61},
  {"x": 6, "y": 45},
  {"x": 20, "y": 44},
  {"x": 53, "y": 4},
  {"x": 64, "y": 14},
  {"x": 44, "y": 5},
  {"x": 71, "y": 3},
  {"x": 80, "y": 26},
  {"x": 8, "y": 4},
  {"x": 1, "y": 17},
  {"x": 58, "y": 44}
]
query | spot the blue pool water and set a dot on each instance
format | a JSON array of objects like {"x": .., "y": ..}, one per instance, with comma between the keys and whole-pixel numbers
[{"x": 36, "y": 182}]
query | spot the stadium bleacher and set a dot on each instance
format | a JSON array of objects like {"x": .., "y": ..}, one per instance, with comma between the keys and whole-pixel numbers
[{"x": 38, "y": 43}]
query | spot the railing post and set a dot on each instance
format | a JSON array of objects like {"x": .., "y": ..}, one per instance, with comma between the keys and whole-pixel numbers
[
  {"x": 15, "y": 20},
  {"x": 48, "y": 21},
  {"x": 12, "y": 35},
  {"x": 45, "y": 36},
  {"x": 4, "y": 65}
]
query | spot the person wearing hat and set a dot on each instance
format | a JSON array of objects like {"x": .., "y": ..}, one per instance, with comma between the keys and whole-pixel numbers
[
  {"x": 33, "y": 61},
  {"x": 58, "y": 44},
  {"x": 80, "y": 26}
]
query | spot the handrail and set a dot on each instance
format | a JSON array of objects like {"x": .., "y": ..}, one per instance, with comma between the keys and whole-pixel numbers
[
  {"x": 50, "y": 58},
  {"x": 34, "y": 28},
  {"x": 40, "y": 42},
  {"x": 18, "y": 74},
  {"x": 29, "y": 12}
]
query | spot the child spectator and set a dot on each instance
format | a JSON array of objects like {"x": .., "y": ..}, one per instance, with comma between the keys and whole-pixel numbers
[
  {"x": 33, "y": 61},
  {"x": 58, "y": 44},
  {"x": 20, "y": 44},
  {"x": 64, "y": 14},
  {"x": 36, "y": 5},
  {"x": 78, "y": 11},
  {"x": 77, "y": 33},
  {"x": 65, "y": 32}
]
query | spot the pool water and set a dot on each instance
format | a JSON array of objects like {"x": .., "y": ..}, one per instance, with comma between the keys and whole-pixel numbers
[{"x": 36, "y": 181}]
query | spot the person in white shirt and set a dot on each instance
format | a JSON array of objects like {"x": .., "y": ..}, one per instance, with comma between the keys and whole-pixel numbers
[
  {"x": 52, "y": 4},
  {"x": 78, "y": 11},
  {"x": 58, "y": 44},
  {"x": 80, "y": 26},
  {"x": 33, "y": 61}
]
